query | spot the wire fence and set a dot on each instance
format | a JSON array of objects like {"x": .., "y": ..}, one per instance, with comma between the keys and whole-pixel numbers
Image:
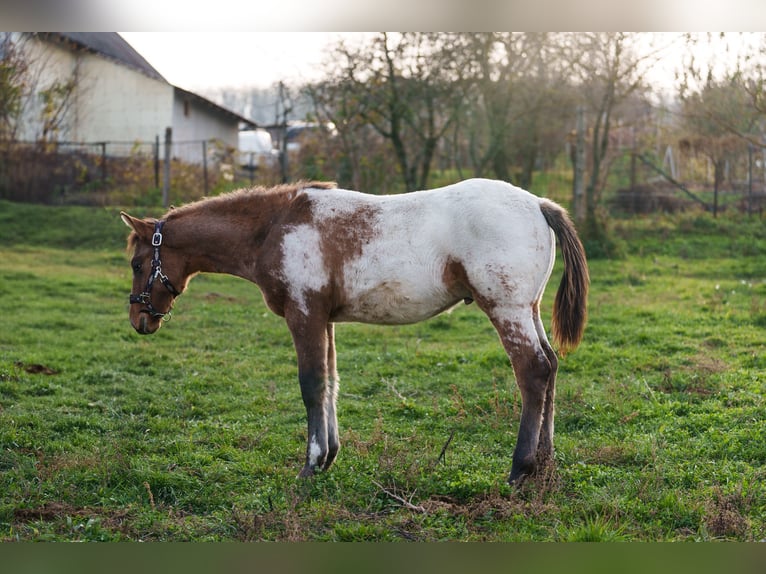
[
  {"x": 152, "y": 173},
  {"x": 670, "y": 180},
  {"x": 121, "y": 173}
]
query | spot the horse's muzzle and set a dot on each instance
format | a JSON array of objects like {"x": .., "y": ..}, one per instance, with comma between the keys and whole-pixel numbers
[{"x": 146, "y": 324}]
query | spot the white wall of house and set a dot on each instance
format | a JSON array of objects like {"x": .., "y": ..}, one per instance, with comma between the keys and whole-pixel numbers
[
  {"x": 116, "y": 104},
  {"x": 122, "y": 104},
  {"x": 47, "y": 65},
  {"x": 193, "y": 122},
  {"x": 112, "y": 102}
]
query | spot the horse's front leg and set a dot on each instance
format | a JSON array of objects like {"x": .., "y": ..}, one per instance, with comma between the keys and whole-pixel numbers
[{"x": 311, "y": 345}]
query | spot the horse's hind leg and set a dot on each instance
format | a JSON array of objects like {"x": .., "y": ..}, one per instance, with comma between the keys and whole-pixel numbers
[
  {"x": 545, "y": 444},
  {"x": 533, "y": 369}
]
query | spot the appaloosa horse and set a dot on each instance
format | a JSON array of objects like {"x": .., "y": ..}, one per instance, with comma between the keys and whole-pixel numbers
[{"x": 322, "y": 255}]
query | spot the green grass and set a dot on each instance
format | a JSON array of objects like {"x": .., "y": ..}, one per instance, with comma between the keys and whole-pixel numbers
[{"x": 197, "y": 432}]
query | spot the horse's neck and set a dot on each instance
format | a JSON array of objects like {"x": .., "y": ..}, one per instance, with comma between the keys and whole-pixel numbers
[{"x": 218, "y": 244}]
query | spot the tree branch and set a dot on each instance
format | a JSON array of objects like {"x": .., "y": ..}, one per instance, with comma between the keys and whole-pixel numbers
[{"x": 406, "y": 503}]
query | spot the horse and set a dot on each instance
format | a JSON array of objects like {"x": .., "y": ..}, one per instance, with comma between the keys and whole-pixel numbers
[{"x": 323, "y": 255}]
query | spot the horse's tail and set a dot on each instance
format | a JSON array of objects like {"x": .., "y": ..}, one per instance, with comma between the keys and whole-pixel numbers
[{"x": 570, "y": 306}]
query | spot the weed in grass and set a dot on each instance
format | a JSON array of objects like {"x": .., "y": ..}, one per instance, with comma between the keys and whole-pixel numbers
[
  {"x": 725, "y": 515},
  {"x": 594, "y": 529}
]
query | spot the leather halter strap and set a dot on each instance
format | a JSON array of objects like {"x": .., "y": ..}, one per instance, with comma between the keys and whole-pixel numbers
[{"x": 144, "y": 298}]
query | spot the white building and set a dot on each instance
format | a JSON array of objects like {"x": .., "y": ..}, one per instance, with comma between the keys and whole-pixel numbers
[{"x": 117, "y": 97}]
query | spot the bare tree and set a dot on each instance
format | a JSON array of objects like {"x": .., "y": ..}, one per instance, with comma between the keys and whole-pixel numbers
[
  {"x": 609, "y": 69},
  {"x": 57, "y": 101},
  {"x": 402, "y": 85},
  {"x": 14, "y": 71},
  {"x": 336, "y": 101},
  {"x": 726, "y": 97},
  {"x": 511, "y": 78},
  {"x": 719, "y": 123},
  {"x": 26, "y": 97}
]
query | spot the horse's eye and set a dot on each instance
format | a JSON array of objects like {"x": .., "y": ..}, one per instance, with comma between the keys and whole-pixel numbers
[{"x": 136, "y": 268}]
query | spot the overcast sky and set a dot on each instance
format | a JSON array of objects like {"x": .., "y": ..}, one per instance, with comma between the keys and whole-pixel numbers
[{"x": 206, "y": 61}]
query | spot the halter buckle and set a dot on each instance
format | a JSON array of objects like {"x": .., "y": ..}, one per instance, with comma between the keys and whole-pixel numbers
[
  {"x": 156, "y": 239},
  {"x": 142, "y": 298}
]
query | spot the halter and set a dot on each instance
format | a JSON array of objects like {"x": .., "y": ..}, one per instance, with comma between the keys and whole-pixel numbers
[{"x": 144, "y": 297}]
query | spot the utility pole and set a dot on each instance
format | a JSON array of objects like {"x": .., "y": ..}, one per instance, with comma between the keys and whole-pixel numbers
[{"x": 286, "y": 105}]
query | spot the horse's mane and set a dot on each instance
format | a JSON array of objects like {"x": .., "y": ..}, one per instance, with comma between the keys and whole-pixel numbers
[{"x": 239, "y": 200}]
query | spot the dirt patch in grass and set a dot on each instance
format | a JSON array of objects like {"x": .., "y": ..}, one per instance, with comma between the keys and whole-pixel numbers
[
  {"x": 696, "y": 378},
  {"x": 36, "y": 368},
  {"x": 725, "y": 515},
  {"x": 111, "y": 519}
]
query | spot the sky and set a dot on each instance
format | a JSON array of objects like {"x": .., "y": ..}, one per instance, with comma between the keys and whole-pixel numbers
[
  {"x": 203, "y": 45},
  {"x": 208, "y": 61}
]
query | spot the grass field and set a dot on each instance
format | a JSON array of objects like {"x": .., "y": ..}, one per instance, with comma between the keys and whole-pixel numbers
[{"x": 198, "y": 432}]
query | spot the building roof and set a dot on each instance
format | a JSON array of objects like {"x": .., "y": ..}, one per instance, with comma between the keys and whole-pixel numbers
[
  {"x": 223, "y": 111},
  {"x": 108, "y": 44},
  {"x": 111, "y": 45}
]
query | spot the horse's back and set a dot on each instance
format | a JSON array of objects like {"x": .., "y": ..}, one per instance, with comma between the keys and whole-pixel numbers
[{"x": 485, "y": 204}]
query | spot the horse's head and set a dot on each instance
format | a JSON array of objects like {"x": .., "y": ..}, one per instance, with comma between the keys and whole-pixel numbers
[{"x": 159, "y": 274}]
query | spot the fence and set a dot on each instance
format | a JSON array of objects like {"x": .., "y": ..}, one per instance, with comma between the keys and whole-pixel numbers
[
  {"x": 669, "y": 179},
  {"x": 119, "y": 173},
  {"x": 137, "y": 173}
]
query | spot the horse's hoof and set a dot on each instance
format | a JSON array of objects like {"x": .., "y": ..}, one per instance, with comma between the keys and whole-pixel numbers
[
  {"x": 519, "y": 473},
  {"x": 516, "y": 479},
  {"x": 306, "y": 472}
]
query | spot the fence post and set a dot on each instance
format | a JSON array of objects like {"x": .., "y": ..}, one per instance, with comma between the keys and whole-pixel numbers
[
  {"x": 578, "y": 188},
  {"x": 750, "y": 179},
  {"x": 204, "y": 164},
  {"x": 157, "y": 162},
  {"x": 103, "y": 163},
  {"x": 166, "y": 181}
]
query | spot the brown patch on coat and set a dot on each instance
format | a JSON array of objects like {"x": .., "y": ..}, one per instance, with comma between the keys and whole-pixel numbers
[
  {"x": 344, "y": 238},
  {"x": 456, "y": 281}
]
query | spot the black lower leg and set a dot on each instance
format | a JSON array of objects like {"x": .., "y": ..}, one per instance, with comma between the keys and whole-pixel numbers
[{"x": 313, "y": 392}]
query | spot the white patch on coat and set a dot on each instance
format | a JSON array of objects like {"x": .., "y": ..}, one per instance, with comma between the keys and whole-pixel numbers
[
  {"x": 303, "y": 265},
  {"x": 494, "y": 230},
  {"x": 314, "y": 451}
]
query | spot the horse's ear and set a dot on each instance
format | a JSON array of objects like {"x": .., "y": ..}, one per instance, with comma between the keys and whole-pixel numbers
[
  {"x": 127, "y": 219},
  {"x": 141, "y": 227}
]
